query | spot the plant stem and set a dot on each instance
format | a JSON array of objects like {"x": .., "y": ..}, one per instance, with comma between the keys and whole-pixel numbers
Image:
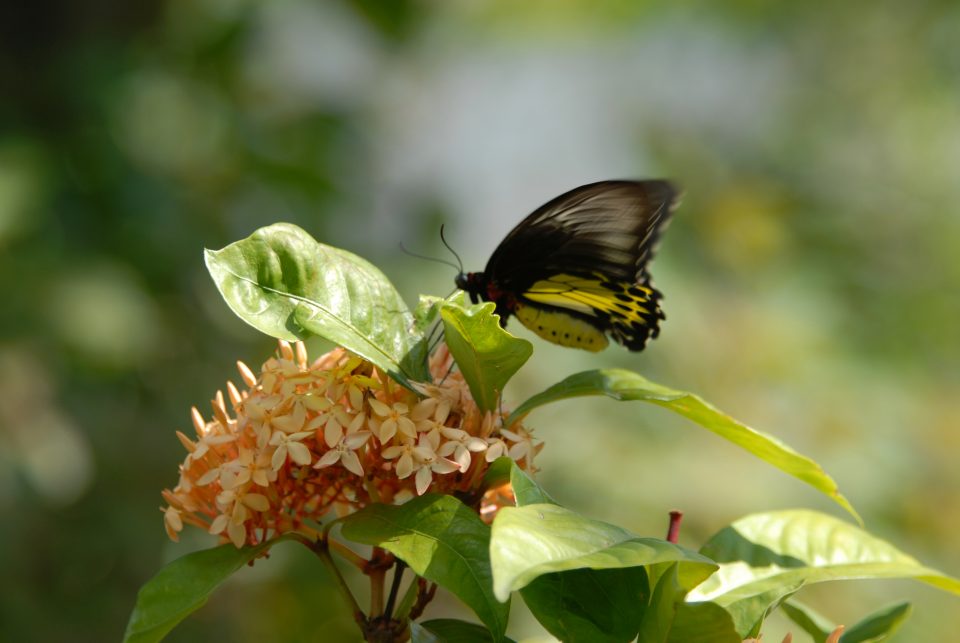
[
  {"x": 376, "y": 569},
  {"x": 377, "y": 578},
  {"x": 371, "y": 489},
  {"x": 394, "y": 588},
  {"x": 351, "y": 556},
  {"x": 424, "y": 596},
  {"x": 406, "y": 603}
]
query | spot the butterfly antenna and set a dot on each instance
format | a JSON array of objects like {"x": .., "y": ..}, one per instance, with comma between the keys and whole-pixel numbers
[
  {"x": 454, "y": 252},
  {"x": 418, "y": 256}
]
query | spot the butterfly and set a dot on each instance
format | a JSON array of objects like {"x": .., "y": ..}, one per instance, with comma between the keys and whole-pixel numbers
[{"x": 575, "y": 271}]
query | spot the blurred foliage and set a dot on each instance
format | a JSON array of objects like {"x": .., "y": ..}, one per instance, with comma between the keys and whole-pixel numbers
[{"x": 811, "y": 275}]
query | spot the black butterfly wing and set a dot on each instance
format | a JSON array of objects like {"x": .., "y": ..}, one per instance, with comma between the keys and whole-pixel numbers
[
  {"x": 610, "y": 227},
  {"x": 577, "y": 265}
]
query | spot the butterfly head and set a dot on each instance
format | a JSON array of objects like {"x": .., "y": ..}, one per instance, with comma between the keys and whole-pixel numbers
[{"x": 473, "y": 283}]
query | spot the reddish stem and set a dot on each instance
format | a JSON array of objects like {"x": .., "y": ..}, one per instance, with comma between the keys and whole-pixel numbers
[{"x": 673, "y": 532}]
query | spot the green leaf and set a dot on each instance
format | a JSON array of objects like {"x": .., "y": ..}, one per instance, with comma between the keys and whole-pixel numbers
[
  {"x": 750, "y": 612},
  {"x": 525, "y": 490},
  {"x": 703, "y": 623},
  {"x": 626, "y": 385},
  {"x": 485, "y": 353},
  {"x": 450, "y": 630},
  {"x": 426, "y": 312},
  {"x": 590, "y": 604},
  {"x": 182, "y": 587},
  {"x": 285, "y": 284},
  {"x": 878, "y": 626},
  {"x": 770, "y": 555},
  {"x": 498, "y": 472},
  {"x": 539, "y": 539},
  {"x": 669, "y": 619},
  {"x": 812, "y": 622},
  {"x": 667, "y": 596},
  {"x": 442, "y": 540}
]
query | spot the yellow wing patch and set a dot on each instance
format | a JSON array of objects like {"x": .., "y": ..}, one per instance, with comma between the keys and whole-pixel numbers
[
  {"x": 596, "y": 297},
  {"x": 560, "y": 328}
]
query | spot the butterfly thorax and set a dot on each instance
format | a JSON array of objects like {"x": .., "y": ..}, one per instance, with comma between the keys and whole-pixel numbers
[{"x": 480, "y": 287}]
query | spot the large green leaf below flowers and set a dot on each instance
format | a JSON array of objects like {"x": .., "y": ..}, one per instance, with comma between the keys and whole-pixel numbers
[
  {"x": 592, "y": 605},
  {"x": 625, "y": 385},
  {"x": 284, "y": 283}
]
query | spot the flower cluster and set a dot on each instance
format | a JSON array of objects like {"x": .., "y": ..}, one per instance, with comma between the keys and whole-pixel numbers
[{"x": 305, "y": 439}]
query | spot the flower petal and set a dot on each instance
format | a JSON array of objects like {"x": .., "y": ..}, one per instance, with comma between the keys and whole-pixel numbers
[
  {"x": 237, "y": 534},
  {"x": 391, "y": 452},
  {"x": 443, "y": 411},
  {"x": 356, "y": 440},
  {"x": 332, "y": 432},
  {"x": 423, "y": 409},
  {"x": 279, "y": 457},
  {"x": 463, "y": 458},
  {"x": 356, "y": 397},
  {"x": 299, "y": 453},
  {"x": 256, "y": 501},
  {"x": 444, "y": 466},
  {"x": 356, "y": 423},
  {"x": 351, "y": 462},
  {"x": 316, "y": 403},
  {"x": 423, "y": 480},
  {"x": 219, "y": 524},
  {"x": 453, "y": 434},
  {"x": 447, "y": 448},
  {"x": 208, "y": 477},
  {"x": 404, "y": 466},
  {"x": 172, "y": 518},
  {"x": 407, "y": 427},
  {"x": 379, "y": 407},
  {"x": 476, "y": 444},
  {"x": 327, "y": 459},
  {"x": 293, "y": 421},
  {"x": 387, "y": 430}
]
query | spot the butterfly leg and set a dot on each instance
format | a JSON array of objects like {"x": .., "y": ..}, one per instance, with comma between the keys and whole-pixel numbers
[{"x": 504, "y": 313}]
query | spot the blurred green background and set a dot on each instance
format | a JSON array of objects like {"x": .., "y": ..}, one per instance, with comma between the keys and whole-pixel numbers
[{"x": 811, "y": 276}]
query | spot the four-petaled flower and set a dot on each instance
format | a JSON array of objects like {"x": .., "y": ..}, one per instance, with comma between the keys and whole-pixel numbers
[
  {"x": 421, "y": 458},
  {"x": 289, "y": 445},
  {"x": 343, "y": 445},
  {"x": 391, "y": 420},
  {"x": 459, "y": 444},
  {"x": 523, "y": 447}
]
